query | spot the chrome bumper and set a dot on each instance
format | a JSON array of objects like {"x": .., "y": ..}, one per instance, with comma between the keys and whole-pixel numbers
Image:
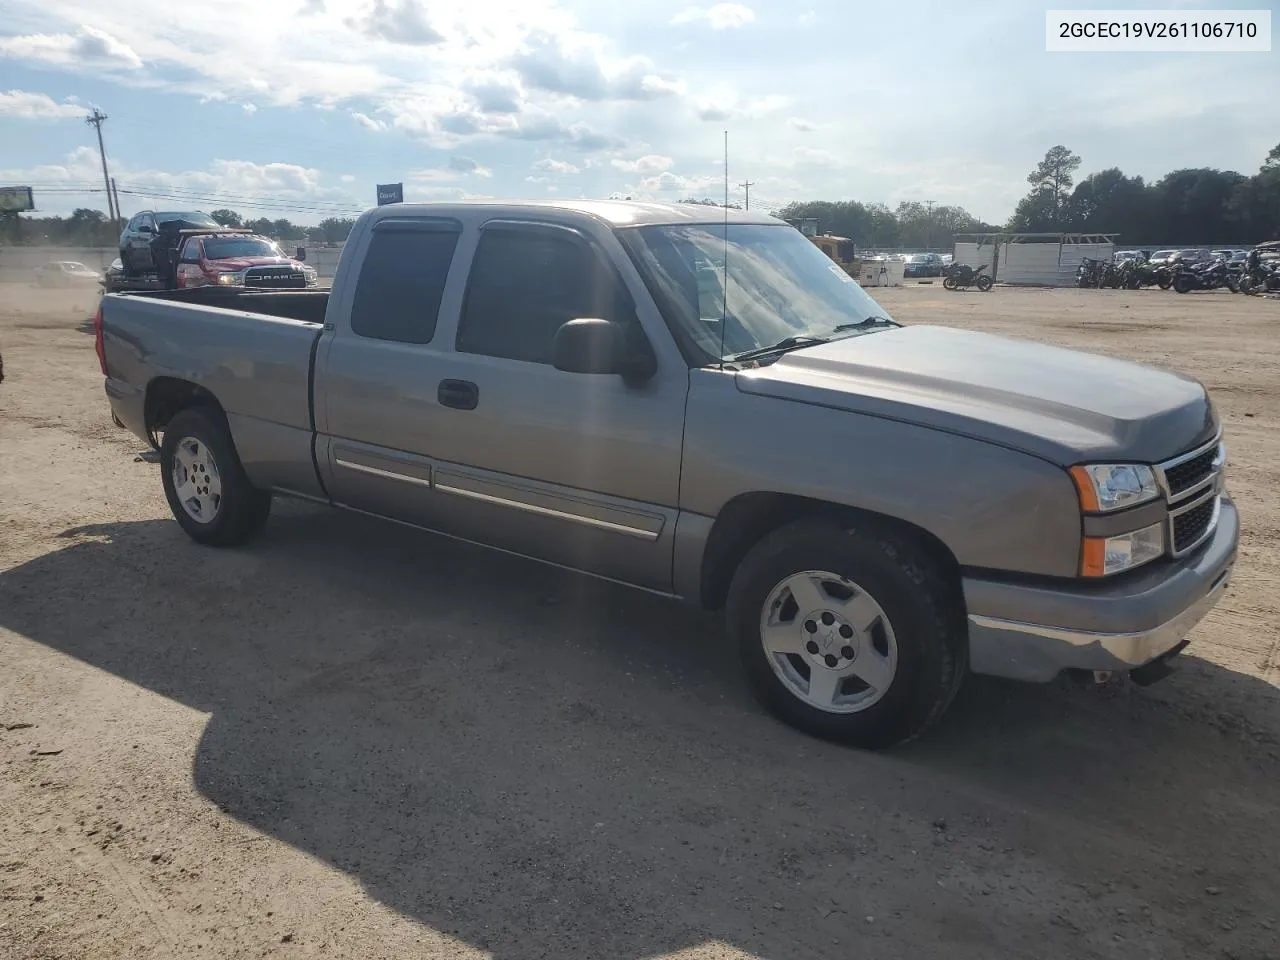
[{"x": 1012, "y": 647}]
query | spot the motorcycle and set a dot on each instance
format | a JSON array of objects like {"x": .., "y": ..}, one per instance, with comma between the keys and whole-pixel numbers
[
  {"x": 1088, "y": 273},
  {"x": 1207, "y": 275},
  {"x": 958, "y": 276},
  {"x": 1263, "y": 278},
  {"x": 1131, "y": 275}
]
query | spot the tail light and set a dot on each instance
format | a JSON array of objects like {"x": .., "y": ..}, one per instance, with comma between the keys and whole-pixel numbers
[{"x": 98, "y": 344}]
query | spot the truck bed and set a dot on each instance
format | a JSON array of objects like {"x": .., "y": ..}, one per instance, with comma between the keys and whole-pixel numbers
[
  {"x": 256, "y": 363},
  {"x": 308, "y": 306}
]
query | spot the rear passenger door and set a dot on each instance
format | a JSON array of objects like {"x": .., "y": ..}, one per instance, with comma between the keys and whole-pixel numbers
[{"x": 377, "y": 381}]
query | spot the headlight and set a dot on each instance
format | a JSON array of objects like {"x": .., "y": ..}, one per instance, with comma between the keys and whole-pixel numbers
[
  {"x": 230, "y": 279},
  {"x": 1114, "y": 486},
  {"x": 1103, "y": 556}
]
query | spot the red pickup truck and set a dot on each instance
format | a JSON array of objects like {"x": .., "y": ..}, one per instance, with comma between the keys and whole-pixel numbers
[{"x": 240, "y": 260}]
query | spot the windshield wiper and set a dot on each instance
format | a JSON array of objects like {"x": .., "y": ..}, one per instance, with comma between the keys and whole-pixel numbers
[
  {"x": 867, "y": 322},
  {"x": 782, "y": 346}
]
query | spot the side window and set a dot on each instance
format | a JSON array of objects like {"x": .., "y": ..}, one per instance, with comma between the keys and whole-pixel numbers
[
  {"x": 401, "y": 283},
  {"x": 527, "y": 283},
  {"x": 191, "y": 251}
]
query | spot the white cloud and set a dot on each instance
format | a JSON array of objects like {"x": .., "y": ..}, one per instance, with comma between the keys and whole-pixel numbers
[
  {"x": 347, "y": 178},
  {"x": 669, "y": 183},
  {"x": 722, "y": 16},
  {"x": 547, "y": 165},
  {"x": 576, "y": 65},
  {"x": 466, "y": 165},
  {"x": 261, "y": 189},
  {"x": 456, "y": 169},
  {"x": 651, "y": 163},
  {"x": 89, "y": 46},
  {"x": 397, "y": 21},
  {"x": 799, "y": 123},
  {"x": 37, "y": 106},
  {"x": 809, "y": 156},
  {"x": 807, "y": 19},
  {"x": 368, "y": 122},
  {"x": 723, "y": 104}
]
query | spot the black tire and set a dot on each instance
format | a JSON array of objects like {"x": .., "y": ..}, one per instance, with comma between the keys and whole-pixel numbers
[
  {"x": 949, "y": 283},
  {"x": 985, "y": 283},
  {"x": 1183, "y": 284},
  {"x": 1165, "y": 282},
  {"x": 920, "y": 602},
  {"x": 242, "y": 509}
]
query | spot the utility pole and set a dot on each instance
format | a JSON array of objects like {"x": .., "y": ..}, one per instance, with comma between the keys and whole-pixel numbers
[
  {"x": 95, "y": 120},
  {"x": 928, "y": 224},
  {"x": 747, "y": 187},
  {"x": 115, "y": 192}
]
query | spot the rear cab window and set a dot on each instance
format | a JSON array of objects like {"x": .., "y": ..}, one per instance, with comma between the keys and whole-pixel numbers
[{"x": 402, "y": 279}]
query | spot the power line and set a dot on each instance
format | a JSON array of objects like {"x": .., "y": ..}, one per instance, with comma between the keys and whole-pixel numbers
[{"x": 746, "y": 186}]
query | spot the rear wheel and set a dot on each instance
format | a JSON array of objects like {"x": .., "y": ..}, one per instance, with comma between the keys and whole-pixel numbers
[
  {"x": 984, "y": 283},
  {"x": 851, "y": 635},
  {"x": 206, "y": 486},
  {"x": 1183, "y": 284}
]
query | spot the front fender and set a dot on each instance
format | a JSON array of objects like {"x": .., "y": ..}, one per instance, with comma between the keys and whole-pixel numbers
[{"x": 994, "y": 507}]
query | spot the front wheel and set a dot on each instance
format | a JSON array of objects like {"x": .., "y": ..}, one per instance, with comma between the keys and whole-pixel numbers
[
  {"x": 949, "y": 283},
  {"x": 1183, "y": 284},
  {"x": 848, "y": 634},
  {"x": 206, "y": 486},
  {"x": 985, "y": 283}
]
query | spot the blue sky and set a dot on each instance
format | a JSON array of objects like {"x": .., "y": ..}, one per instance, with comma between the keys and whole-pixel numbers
[{"x": 299, "y": 107}]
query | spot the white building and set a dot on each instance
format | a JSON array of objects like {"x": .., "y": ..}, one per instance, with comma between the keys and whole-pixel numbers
[{"x": 1033, "y": 259}]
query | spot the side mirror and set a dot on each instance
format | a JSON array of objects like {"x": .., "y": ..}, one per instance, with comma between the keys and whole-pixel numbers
[
  {"x": 300, "y": 254},
  {"x": 144, "y": 228},
  {"x": 588, "y": 345}
]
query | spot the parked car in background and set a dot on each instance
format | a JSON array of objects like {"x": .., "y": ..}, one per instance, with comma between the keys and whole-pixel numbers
[
  {"x": 149, "y": 242},
  {"x": 923, "y": 265},
  {"x": 544, "y": 379},
  {"x": 240, "y": 260},
  {"x": 1161, "y": 258},
  {"x": 1191, "y": 255},
  {"x": 65, "y": 273},
  {"x": 1121, "y": 256}
]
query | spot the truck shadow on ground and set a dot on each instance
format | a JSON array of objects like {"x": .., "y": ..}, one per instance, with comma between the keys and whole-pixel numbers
[{"x": 545, "y": 766}]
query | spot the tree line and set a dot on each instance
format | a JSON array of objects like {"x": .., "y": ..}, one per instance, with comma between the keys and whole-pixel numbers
[
  {"x": 1196, "y": 205},
  {"x": 875, "y": 225},
  {"x": 92, "y": 228}
]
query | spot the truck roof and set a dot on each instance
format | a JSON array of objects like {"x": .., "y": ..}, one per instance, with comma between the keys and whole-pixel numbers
[{"x": 617, "y": 213}]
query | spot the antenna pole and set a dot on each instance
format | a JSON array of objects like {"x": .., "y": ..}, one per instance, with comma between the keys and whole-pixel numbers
[
  {"x": 724, "y": 286},
  {"x": 95, "y": 120}
]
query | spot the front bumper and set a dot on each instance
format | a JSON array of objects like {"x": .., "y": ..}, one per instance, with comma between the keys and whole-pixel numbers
[{"x": 1035, "y": 632}]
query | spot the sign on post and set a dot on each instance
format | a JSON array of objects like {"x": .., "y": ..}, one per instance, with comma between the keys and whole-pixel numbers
[
  {"x": 390, "y": 193},
  {"x": 16, "y": 199}
]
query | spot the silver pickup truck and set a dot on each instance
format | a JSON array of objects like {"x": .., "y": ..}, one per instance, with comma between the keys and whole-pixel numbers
[{"x": 706, "y": 408}]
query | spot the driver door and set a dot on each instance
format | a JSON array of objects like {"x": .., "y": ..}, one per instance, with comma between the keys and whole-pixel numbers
[{"x": 578, "y": 469}]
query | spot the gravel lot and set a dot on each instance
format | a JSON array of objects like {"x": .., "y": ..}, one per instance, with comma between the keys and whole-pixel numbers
[{"x": 351, "y": 740}]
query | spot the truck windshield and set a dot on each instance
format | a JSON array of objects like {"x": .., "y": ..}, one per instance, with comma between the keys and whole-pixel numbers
[
  {"x": 780, "y": 286},
  {"x": 232, "y": 248}
]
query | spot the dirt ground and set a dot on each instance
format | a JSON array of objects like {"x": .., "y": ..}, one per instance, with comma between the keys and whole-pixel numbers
[{"x": 351, "y": 740}]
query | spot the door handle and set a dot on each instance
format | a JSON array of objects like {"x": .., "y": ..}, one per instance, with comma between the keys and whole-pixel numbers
[{"x": 459, "y": 394}]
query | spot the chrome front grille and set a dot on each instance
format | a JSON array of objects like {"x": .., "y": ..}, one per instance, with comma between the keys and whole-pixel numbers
[{"x": 1192, "y": 485}]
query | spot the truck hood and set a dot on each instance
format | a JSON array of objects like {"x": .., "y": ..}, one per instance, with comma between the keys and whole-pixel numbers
[
  {"x": 235, "y": 264},
  {"x": 1061, "y": 405}
]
